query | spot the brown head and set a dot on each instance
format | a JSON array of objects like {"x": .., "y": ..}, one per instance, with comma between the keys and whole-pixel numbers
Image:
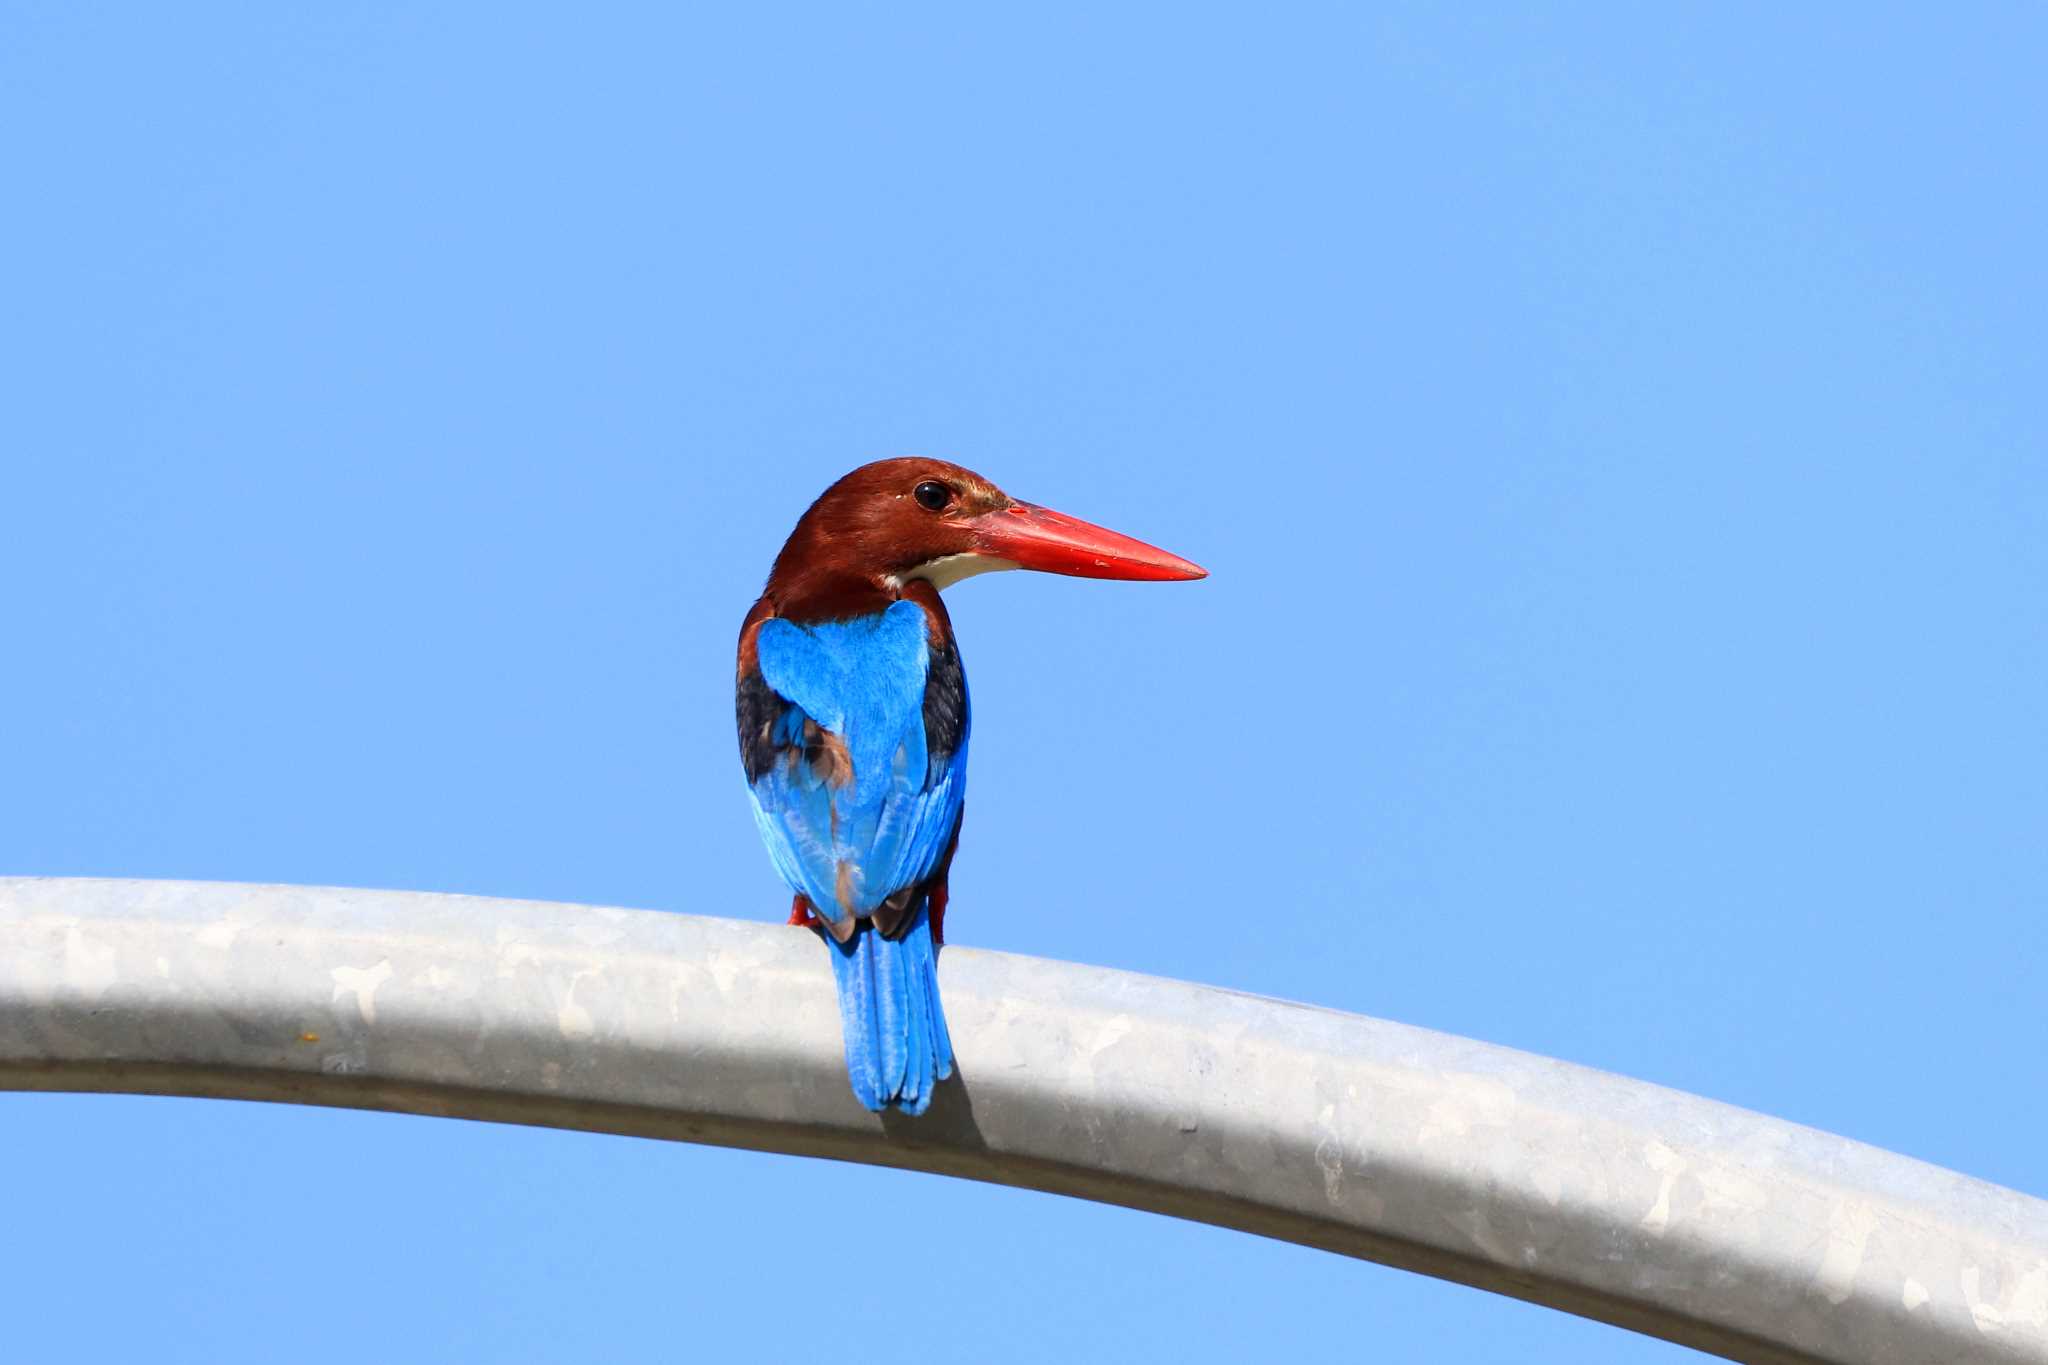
[{"x": 894, "y": 522}]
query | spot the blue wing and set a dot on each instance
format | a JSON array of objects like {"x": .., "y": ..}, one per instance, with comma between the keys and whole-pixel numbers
[{"x": 853, "y": 799}]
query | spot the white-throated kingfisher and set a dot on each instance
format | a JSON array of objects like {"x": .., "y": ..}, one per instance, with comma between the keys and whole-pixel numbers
[{"x": 853, "y": 720}]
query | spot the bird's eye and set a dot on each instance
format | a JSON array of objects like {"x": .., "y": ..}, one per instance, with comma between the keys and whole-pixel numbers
[{"x": 931, "y": 496}]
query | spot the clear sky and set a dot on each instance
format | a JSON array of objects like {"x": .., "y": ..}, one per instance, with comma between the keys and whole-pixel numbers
[{"x": 1616, "y": 434}]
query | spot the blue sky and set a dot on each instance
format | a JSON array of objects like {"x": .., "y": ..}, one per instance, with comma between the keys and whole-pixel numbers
[{"x": 1615, "y": 433}]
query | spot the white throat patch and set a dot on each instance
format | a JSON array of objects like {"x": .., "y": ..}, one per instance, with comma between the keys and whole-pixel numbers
[{"x": 944, "y": 572}]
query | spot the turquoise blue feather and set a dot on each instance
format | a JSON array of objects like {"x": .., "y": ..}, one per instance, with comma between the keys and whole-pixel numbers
[{"x": 867, "y": 815}]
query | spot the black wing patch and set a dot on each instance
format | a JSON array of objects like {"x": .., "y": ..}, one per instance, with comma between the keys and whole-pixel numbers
[
  {"x": 945, "y": 707},
  {"x": 760, "y": 710}
]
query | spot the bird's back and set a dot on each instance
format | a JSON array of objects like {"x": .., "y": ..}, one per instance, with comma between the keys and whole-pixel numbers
[{"x": 852, "y": 799}]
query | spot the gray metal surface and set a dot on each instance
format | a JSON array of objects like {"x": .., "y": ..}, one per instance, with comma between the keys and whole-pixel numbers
[{"x": 1659, "y": 1211}]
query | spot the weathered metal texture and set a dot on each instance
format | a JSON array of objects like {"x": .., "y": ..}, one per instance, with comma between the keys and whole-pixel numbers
[{"x": 1658, "y": 1211}]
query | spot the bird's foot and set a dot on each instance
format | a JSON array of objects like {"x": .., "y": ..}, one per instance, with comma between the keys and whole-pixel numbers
[
  {"x": 800, "y": 914},
  {"x": 937, "y": 910}
]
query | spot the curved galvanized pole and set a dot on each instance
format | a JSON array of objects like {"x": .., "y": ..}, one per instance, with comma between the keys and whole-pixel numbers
[{"x": 1602, "y": 1196}]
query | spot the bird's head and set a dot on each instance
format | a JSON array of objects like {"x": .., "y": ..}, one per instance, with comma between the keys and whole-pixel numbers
[{"x": 893, "y": 521}]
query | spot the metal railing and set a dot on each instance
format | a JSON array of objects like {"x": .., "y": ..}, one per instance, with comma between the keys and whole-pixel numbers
[{"x": 1658, "y": 1211}]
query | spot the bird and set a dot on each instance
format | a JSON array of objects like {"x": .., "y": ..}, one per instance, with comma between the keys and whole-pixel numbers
[{"x": 853, "y": 717}]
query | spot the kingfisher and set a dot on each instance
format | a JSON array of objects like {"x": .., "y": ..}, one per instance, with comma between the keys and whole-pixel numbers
[{"x": 853, "y": 720}]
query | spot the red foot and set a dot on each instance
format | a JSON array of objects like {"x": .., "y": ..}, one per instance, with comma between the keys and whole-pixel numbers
[
  {"x": 800, "y": 914},
  {"x": 937, "y": 908}
]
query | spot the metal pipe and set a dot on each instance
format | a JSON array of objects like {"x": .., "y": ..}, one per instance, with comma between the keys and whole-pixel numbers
[{"x": 1658, "y": 1211}]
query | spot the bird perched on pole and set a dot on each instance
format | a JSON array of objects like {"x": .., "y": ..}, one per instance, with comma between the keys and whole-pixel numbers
[{"x": 853, "y": 720}]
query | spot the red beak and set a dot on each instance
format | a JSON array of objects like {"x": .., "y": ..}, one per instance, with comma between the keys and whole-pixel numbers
[{"x": 1033, "y": 537}]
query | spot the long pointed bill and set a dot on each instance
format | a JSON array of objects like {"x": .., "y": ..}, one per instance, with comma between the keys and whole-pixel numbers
[{"x": 1033, "y": 537}]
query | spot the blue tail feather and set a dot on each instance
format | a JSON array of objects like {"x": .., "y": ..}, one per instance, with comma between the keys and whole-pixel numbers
[{"x": 897, "y": 1046}]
